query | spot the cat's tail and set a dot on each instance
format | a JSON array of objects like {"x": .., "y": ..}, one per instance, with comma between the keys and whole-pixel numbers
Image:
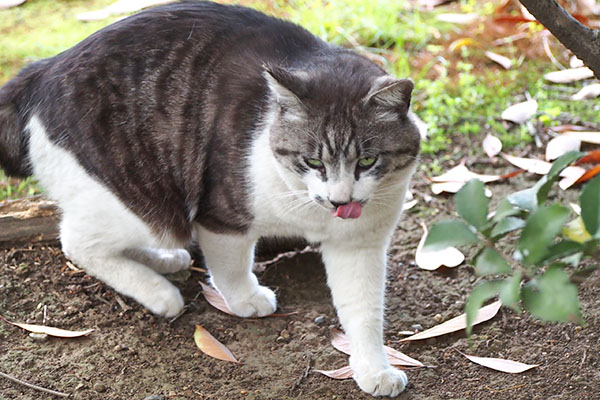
[{"x": 14, "y": 112}]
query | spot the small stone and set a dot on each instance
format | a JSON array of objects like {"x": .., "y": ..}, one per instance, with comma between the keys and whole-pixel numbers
[
  {"x": 155, "y": 397},
  {"x": 285, "y": 334},
  {"x": 38, "y": 337},
  {"x": 320, "y": 320},
  {"x": 99, "y": 387},
  {"x": 416, "y": 327},
  {"x": 438, "y": 318}
]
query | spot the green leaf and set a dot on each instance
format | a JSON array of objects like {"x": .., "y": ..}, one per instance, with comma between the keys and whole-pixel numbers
[
  {"x": 472, "y": 204},
  {"x": 505, "y": 209},
  {"x": 448, "y": 234},
  {"x": 552, "y": 297},
  {"x": 507, "y": 225},
  {"x": 541, "y": 228},
  {"x": 478, "y": 296},
  {"x": 489, "y": 262},
  {"x": 563, "y": 162},
  {"x": 590, "y": 207},
  {"x": 562, "y": 249},
  {"x": 510, "y": 293},
  {"x": 525, "y": 199}
]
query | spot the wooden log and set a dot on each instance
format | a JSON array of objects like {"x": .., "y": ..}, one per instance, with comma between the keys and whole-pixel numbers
[{"x": 32, "y": 220}]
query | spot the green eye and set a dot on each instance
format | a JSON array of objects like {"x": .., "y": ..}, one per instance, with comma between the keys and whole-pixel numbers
[
  {"x": 366, "y": 162},
  {"x": 314, "y": 162}
]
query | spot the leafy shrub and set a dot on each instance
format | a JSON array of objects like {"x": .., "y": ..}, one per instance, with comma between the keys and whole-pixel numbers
[{"x": 536, "y": 278}]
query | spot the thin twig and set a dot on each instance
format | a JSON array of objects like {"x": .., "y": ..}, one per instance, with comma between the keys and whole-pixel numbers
[
  {"x": 583, "y": 359},
  {"x": 32, "y": 386},
  {"x": 290, "y": 254}
]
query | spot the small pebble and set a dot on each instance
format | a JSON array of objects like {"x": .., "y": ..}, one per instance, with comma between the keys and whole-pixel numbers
[
  {"x": 416, "y": 327},
  {"x": 38, "y": 337},
  {"x": 99, "y": 387},
  {"x": 320, "y": 320},
  {"x": 438, "y": 318},
  {"x": 155, "y": 397}
]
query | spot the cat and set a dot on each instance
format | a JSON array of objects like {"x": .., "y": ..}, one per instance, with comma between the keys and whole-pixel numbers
[{"x": 200, "y": 121}]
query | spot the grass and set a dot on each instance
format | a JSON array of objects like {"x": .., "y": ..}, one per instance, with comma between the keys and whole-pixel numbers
[{"x": 457, "y": 92}]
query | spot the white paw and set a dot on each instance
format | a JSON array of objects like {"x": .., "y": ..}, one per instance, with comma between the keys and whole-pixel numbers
[
  {"x": 262, "y": 302},
  {"x": 162, "y": 299},
  {"x": 388, "y": 382}
]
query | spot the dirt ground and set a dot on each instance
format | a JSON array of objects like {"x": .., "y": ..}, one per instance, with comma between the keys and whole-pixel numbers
[{"x": 134, "y": 355}]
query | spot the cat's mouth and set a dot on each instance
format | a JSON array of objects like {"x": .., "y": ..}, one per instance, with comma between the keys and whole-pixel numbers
[{"x": 350, "y": 210}]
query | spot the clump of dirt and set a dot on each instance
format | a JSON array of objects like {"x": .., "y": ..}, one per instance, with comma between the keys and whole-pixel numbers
[{"x": 133, "y": 354}]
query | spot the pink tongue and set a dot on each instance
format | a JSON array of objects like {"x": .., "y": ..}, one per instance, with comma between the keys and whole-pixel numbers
[{"x": 350, "y": 210}]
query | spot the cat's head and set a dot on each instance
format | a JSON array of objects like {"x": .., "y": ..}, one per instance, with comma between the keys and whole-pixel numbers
[{"x": 342, "y": 132}]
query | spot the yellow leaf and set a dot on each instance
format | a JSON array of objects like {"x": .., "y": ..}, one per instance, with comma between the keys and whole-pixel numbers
[
  {"x": 575, "y": 231},
  {"x": 211, "y": 346}
]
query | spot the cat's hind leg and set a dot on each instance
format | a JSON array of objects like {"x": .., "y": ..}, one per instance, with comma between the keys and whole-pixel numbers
[
  {"x": 97, "y": 228},
  {"x": 163, "y": 261},
  {"x": 229, "y": 259}
]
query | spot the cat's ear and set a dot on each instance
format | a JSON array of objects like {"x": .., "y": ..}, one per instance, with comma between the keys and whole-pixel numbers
[
  {"x": 286, "y": 87},
  {"x": 390, "y": 92}
]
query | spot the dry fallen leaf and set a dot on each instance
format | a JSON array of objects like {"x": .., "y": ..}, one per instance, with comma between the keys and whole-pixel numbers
[
  {"x": 499, "y": 364},
  {"x": 561, "y": 145},
  {"x": 457, "y": 323},
  {"x": 569, "y": 75},
  {"x": 211, "y": 346},
  {"x": 216, "y": 300},
  {"x": 521, "y": 112},
  {"x": 571, "y": 175},
  {"x": 48, "y": 330},
  {"x": 5, "y": 4},
  {"x": 585, "y": 136},
  {"x": 491, "y": 145},
  {"x": 432, "y": 260},
  {"x": 398, "y": 359},
  {"x": 455, "y": 18},
  {"x": 505, "y": 62},
  {"x": 591, "y": 157},
  {"x": 341, "y": 373},
  {"x": 461, "y": 173},
  {"x": 589, "y": 174},
  {"x": 587, "y": 92}
]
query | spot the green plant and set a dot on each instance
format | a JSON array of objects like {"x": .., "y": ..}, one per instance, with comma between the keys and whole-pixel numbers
[{"x": 536, "y": 275}]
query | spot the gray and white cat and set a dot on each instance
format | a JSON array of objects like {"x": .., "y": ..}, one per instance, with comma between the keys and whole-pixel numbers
[{"x": 220, "y": 124}]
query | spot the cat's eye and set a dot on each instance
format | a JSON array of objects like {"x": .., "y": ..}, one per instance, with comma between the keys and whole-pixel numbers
[
  {"x": 366, "y": 162},
  {"x": 314, "y": 162}
]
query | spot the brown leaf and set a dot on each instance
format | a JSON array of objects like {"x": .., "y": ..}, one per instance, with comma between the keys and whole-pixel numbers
[
  {"x": 457, "y": 323},
  {"x": 589, "y": 174},
  {"x": 216, "y": 300},
  {"x": 48, "y": 330},
  {"x": 499, "y": 364},
  {"x": 591, "y": 157},
  {"x": 341, "y": 373},
  {"x": 341, "y": 342},
  {"x": 211, "y": 346}
]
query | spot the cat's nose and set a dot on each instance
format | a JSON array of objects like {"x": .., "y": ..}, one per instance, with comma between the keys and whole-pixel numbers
[{"x": 336, "y": 204}]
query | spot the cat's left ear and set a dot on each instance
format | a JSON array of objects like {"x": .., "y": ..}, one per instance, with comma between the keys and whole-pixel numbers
[
  {"x": 388, "y": 91},
  {"x": 286, "y": 88}
]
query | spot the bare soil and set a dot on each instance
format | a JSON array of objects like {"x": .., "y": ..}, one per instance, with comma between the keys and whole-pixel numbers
[{"x": 133, "y": 354}]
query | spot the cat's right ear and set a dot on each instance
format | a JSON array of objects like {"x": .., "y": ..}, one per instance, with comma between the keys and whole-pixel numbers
[{"x": 282, "y": 86}]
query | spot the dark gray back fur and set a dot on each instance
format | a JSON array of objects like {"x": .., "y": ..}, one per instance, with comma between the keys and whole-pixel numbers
[{"x": 162, "y": 106}]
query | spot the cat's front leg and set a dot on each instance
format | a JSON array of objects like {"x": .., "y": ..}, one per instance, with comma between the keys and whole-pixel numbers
[
  {"x": 229, "y": 259},
  {"x": 356, "y": 277}
]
